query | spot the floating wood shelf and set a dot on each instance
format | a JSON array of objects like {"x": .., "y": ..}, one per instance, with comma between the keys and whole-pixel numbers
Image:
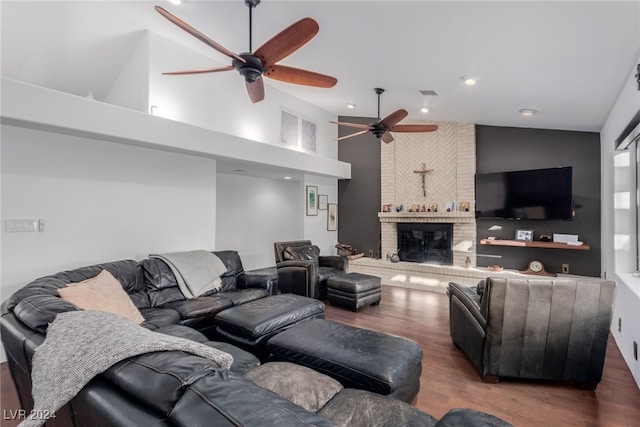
[{"x": 533, "y": 244}]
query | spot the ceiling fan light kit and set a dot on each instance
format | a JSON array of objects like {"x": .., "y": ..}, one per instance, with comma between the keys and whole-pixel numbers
[
  {"x": 263, "y": 62},
  {"x": 382, "y": 128}
]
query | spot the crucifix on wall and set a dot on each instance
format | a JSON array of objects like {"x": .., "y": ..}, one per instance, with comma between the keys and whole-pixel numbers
[{"x": 423, "y": 172}]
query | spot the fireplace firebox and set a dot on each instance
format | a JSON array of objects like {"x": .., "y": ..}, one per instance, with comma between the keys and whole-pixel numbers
[{"x": 429, "y": 243}]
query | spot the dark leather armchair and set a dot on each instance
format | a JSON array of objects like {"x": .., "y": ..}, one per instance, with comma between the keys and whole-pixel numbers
[
  {"x": 542, "y": 329},
  {"x": 305, "y": 275}
]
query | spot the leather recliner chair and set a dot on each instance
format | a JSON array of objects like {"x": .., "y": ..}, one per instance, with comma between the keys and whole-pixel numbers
[
  {"x": 303, "y": 271},
  {"x": 544, "y": 329}
]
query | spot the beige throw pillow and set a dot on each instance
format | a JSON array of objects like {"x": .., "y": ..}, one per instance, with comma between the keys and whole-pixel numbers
[{"x": 103, "y": 293}]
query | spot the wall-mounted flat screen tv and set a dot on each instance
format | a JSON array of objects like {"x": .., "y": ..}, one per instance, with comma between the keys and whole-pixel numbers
[{"x": 529, "y": 194}]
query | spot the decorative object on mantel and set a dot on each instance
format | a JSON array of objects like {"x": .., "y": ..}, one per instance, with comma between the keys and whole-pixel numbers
[
  {"x": 382, "y": 128},
  {"x": 387, "y": 207},
  {"x": 494, "y": 268},
  {"x": 399, "y": 208},
  {"x": 464, "y": 206},
  {"x": 252, "y": 66},
  {"x": 393, "y": 257},
  {"x": 467, "y": 262},
  {"x": 451, "y": 206},
  {"x": 423, "y": 208},
  {"x": 423, "y": 172},
  {"x": 344, "y": 249},
  {"x": 312, "y": 200},
  {"x": 433, "y": 207},
  {"x": 415, "y": 208}
]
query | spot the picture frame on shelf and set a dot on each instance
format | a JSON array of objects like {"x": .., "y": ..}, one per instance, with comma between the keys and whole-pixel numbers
[
  {"x": 332, "y": 217},
  {"x": 465, "y": 206},
  {"x": 323, "y": 201},
  {"x": 312, "y": 200},
  {"x": 415, "y": 208},
  {"x": 524, "y": 235},
  {"x": 387, "y": 207}
]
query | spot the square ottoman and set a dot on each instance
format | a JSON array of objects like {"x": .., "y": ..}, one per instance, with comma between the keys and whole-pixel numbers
[
  {"x": 250, "y": 325},
  {"x": 358, "y": 358},
  {"x": 354, "y": 290}
]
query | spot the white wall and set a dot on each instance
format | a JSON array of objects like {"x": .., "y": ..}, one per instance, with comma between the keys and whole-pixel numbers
[
  {"x": 252, "y": 213},
  {"x": 617, "y": 261},
  {"x": 101, "y": 202},
  {"x": 315, "y": 227}
]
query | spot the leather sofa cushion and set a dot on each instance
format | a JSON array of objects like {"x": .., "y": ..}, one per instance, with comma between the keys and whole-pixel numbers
[
  {"x": 243, "y": 361},
  {"x": 158, "y": 379},
  {"x": 237, "y": 401},
  {"x": 155, "y": 318},
  {"x": 469, "y": 417},
  {"x": 303, "y": 386},
  {"x": 162, "y": 286},
  {"x": 200, "y": 306},
  {"x": 359, "y": 408},
  {"x": 310, "y": 252},
  {"x": 243, "y": 296},
  {"x": 37, "y": 311}
]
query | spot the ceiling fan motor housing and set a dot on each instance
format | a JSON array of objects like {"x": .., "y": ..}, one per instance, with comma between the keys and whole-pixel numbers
[
  {"x": 251, "y": 70},
  {"x": 378, "y": 129}
]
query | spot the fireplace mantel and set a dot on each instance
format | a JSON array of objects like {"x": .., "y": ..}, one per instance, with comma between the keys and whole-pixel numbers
[{"x": 452, "y": 217}]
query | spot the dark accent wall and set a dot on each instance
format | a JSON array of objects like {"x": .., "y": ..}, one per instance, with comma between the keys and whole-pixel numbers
[
  {"x": 359, "y": 197},
  {"x": 503, "y": 149}
]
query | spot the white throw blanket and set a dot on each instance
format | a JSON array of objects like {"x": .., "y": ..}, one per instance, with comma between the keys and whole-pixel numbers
[
  {"x": 196, "y": 271},
  {"x": 82, "y": 344}
]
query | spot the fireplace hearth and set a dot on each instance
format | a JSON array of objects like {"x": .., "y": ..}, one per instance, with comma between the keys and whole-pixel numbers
[{"x": 425, "y": 242}]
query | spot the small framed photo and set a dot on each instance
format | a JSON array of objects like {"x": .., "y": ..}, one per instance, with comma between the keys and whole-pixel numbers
[
  {"x": 312, "y": 200},
  {"x": 524, "y": 235},
  {"x": 415, "y": 208},
  {"x": 332, "y": 217},
  {"x": 323, "y": 201},
  {"x": 433, "y": 207},
  {"x": 464, "y": 206},
  {"x": 387, "y": 207}
]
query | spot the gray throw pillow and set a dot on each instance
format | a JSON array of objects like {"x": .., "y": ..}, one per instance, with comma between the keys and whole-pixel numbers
[{"x": 298, "y": 384}]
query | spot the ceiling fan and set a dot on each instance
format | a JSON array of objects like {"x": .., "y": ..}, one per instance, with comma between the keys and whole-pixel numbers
[
  {"x": 253, "y": 65},
  {"x": 382, "y": 128}
]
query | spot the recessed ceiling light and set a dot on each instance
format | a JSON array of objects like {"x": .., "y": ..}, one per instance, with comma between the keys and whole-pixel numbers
[
  {"x": 287, "y": 177},
  {"x": 424, "y": 110},
  {"x": 469, "y": 80},
  {"x": 351, "y": 106},
  {"x": 175, "y": 1},
  {"x": 527, "y": 112}
]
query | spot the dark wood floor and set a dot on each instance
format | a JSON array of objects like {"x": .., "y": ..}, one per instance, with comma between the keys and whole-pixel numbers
[{"x": 449, "y": 380}]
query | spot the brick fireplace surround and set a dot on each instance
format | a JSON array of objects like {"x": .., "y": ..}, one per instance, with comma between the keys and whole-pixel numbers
[{"x": 450, "y": 153}]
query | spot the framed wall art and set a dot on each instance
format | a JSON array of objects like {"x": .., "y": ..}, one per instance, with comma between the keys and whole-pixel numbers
[
  {"x": 323, "y": 201},
  {"x": 332, "y": 217},
  {"x": 524, "y": 234},
  {"x": 312, "y": 200}
]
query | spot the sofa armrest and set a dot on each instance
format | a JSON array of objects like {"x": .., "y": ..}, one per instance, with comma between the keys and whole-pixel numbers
[
  {"x": 265, "y": 278},
  {"x": 334, "y": 261},
  {"x": 467, "y": 326},
  {"x": 469, "y": 298},
  {"x": 298, "y": 277}
]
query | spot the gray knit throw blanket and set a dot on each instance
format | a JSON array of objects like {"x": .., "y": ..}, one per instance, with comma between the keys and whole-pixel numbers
[{"x": 82, "y": 344}]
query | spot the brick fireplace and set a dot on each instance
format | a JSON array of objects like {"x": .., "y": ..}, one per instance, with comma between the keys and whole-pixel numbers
[{"x": 449, "y": 153}]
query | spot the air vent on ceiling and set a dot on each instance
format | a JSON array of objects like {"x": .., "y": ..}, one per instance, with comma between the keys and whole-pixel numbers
[{"x": 429, "y": 92}]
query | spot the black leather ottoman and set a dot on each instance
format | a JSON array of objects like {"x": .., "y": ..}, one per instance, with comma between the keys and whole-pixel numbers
[
  {"x": 250, "y": 325},
  {"x": 358, "y": 358},
  {"x": 354, "y": 290}
]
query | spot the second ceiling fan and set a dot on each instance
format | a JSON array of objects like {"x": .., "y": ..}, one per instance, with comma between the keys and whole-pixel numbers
[
  {"x": 253, "y": 65},
  {"x": 382, "y": 128}
]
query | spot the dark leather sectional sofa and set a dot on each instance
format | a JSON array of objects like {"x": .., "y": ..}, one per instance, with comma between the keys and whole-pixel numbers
[{"x": 174, "y": 388}]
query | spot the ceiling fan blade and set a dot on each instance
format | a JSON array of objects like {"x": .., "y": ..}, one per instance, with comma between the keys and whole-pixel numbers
[
  {"x": 197, "y": 34},
  {"x": 413, "y": 128},
  {"x": 352, "y": 125},
  {"x": 299, "y": 76},
  {"x": 392, "y": 119},
  {"x": 387, "y": 137},
  {"x": 287, "y": 41},
  {"x": 209, "y": 70},
  {"x": 362, "y": 132},
  {"x": 256, "y": 90}
]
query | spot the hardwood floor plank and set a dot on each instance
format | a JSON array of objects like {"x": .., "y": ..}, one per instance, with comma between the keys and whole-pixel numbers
[{"x": 450, "y": 380}]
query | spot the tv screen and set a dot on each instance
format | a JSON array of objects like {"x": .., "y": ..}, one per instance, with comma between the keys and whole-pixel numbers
[{"x": 529, "y": 194}]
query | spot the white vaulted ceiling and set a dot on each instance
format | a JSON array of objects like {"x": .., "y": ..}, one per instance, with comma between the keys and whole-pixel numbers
[{"x": 568, "y": 60}]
